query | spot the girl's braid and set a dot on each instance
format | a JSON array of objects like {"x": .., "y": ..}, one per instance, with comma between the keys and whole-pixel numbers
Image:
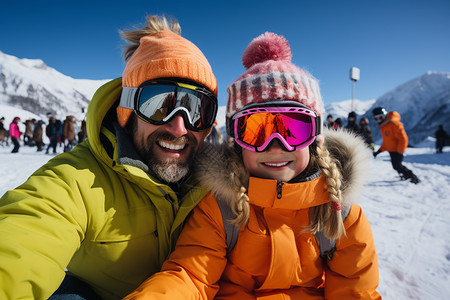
[{"x": 327, "y": 217}]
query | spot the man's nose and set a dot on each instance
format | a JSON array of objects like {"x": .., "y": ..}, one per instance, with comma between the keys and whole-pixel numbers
[{"x": 176, "y": 126}]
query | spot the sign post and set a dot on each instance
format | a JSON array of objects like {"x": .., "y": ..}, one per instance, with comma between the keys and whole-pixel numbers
[{"x": 354, "y": 76}]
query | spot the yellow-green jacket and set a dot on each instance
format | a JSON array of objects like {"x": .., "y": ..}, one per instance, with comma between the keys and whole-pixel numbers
[{"x": 93, "y": 211}]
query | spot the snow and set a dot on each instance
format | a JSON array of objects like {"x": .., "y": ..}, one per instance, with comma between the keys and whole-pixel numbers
[
  {"x": 410, "y": 225},
  {"x": 410, "y": 222}
]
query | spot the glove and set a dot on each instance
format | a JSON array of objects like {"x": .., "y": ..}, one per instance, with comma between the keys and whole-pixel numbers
[{"x": 376, "y": 153}]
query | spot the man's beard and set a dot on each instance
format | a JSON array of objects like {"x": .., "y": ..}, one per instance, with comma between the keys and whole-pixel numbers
[{"x": 168, "y": 169}]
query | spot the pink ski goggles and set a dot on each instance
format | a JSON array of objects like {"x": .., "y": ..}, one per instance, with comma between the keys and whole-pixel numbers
[{"x": 293, "y": 124}]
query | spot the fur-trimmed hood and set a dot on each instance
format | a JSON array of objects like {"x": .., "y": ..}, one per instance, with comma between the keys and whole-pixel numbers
[{"x": 222, "y": 171}]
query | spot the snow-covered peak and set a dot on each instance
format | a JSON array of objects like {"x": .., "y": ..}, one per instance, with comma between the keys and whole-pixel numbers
[
  {"x": 341, "y": 109},
  {"x": 32, "y": 85}
]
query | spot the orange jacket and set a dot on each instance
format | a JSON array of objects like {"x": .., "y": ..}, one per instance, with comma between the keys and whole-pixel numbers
[
  {"x": 393, "y": 133},
  {"x": 274, "y": 258}
]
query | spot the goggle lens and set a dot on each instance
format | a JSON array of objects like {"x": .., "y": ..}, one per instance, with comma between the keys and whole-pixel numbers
[
  {"x": 158, "y": 101},
  {"x": 295, "y": 128}
]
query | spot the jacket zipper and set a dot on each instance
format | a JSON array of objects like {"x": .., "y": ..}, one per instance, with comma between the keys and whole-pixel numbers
[
  {"x": 171, "y": 201},
  {"x": 279, "y": 189}
]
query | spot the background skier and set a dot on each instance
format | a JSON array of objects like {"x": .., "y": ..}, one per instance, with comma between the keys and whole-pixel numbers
[{"x": 395, "y": 141}]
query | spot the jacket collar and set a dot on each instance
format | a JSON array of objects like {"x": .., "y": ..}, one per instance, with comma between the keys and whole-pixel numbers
[{"x": 274, "y": 194}]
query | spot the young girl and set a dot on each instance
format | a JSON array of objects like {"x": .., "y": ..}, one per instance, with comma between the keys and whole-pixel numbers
[{"x": 286, "y": 184}]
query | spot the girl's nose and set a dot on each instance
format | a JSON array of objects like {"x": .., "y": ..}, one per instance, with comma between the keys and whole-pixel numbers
[{"x": 275, "y": 146}]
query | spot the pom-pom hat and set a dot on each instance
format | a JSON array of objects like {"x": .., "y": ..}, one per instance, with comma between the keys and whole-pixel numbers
[
  {"x": 270, "y": 75},
  {"x": 165, "y": 54}
]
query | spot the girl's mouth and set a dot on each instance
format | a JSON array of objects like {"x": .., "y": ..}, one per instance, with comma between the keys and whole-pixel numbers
[{"x": 276, "y": 164}]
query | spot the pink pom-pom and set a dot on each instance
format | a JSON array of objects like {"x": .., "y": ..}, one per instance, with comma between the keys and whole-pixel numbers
[{"x": 267, "y": 46}]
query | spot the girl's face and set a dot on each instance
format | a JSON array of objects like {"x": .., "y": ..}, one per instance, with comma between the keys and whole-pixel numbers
[{"x": 276, "y": 163}]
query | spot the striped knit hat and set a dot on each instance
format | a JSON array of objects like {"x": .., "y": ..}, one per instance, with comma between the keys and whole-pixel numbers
[
  {"x": 270, "y": 75},
  {"x": 165, "y": 54}
]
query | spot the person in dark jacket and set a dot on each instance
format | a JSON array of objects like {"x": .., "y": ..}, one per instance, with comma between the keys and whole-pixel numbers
[
  {"x": 366, "y": 133},
  {"x": 52, "y": 131},
  {"x": 441, "y": 136},
  {"x": 82, "y": 133},
  {"x": 338, "y": 123},
  {"x": 351, "y": 123}
]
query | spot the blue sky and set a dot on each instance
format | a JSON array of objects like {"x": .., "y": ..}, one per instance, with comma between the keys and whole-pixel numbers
[{"x": 391, "y": 42}]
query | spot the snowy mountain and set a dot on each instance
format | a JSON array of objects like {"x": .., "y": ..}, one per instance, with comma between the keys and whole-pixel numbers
[
  {"x": 31, "y": 85},
  {"x": 423, "y": 104},
  {"x": 341, "y": 109}
]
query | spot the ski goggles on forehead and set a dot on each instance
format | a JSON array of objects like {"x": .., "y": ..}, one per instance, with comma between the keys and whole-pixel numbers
[
  {"x": 158, "y": 101},
  {"x": 293, "y": 124}
]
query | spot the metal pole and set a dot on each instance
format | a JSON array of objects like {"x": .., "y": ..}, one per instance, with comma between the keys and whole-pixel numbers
[{"x": 353, "y": 92}]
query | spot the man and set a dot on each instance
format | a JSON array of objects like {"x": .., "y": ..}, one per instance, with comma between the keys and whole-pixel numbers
[
  {"x": 351, "y": 123},
  {"x": 441, "y": 135},
  {"x": 110, "y": 211},
  {"x": 52, "y": 132},
  {"x": 395, "y": 141}
]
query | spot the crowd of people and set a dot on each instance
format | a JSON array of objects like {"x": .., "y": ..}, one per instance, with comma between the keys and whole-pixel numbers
[
  {"x": 362, "y": 129},
  {"x": 31, "y": 132}
]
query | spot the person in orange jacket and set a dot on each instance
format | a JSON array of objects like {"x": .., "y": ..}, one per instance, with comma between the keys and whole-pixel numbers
[
  {"x": 283, "y": 185},
  {"x": 395, "y": 141}
]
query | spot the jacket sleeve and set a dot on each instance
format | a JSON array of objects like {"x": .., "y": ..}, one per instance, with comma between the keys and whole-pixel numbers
[
  {"x": 384, "y": 142},
  {"x": 42, "y": 223},
  {"x": 199, "y": 259},
  {"x": 353, "y": 271},
  {"x": 401, "y": 137}
]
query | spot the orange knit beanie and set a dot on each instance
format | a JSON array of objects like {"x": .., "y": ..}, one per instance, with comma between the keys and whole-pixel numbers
[{"x": 165, "y": 54}]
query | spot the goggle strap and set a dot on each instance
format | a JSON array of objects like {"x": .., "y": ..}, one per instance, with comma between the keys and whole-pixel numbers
[
  {"x": 127, "y": 97},
  {"x": 319, "y": 125}
]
